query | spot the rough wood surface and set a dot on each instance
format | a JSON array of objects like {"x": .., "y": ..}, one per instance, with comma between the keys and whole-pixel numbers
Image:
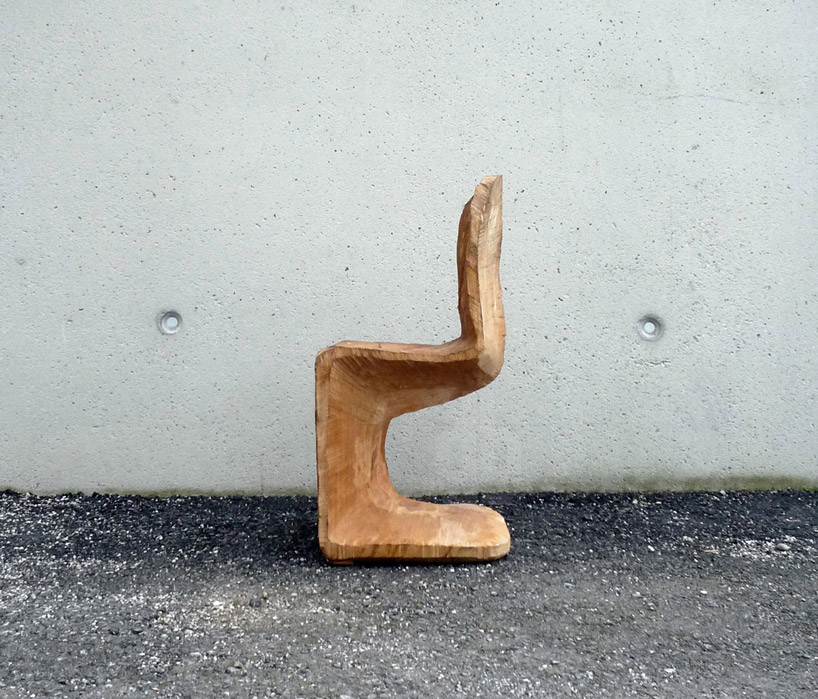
[{"x": 361, "y": 386}]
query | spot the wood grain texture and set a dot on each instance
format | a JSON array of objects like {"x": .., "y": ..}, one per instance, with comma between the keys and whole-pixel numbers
[{"x": 361, "y": 386}]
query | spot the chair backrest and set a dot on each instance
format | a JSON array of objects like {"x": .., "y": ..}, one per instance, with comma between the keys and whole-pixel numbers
[{"x": 479, "y": 241}]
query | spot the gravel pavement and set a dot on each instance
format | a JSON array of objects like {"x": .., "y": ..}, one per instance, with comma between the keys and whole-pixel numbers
[{"x": 604, "y": 595}]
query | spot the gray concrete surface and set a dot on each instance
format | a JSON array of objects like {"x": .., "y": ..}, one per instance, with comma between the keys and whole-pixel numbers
[
  {"x": 672, "y": 595},
  {"x": 289, "y": 175}
]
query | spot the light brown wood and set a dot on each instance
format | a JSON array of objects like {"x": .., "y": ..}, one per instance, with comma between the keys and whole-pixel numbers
[{"x": 361, "y": 386}]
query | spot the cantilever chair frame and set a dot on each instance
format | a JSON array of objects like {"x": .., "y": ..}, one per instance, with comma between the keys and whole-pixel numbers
[{"x": 362, "y": 386}]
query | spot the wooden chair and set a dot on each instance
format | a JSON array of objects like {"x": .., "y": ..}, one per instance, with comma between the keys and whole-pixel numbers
[{"x": 361, "y": 386}]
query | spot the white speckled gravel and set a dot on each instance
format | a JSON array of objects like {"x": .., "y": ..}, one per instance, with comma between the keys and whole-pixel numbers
[{"x": 203, "y": 597}]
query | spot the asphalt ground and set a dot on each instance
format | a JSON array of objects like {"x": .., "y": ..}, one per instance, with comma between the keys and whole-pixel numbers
[{"x": 603, "y": 595}]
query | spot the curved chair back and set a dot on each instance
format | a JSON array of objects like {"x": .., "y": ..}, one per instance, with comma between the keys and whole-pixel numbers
[{"x": 479, "y": 241}]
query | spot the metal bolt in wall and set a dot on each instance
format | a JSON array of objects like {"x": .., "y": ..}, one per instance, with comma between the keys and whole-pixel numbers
[
  {"x": 650, "y": 328},
  {"x": 170, "y": 323}
]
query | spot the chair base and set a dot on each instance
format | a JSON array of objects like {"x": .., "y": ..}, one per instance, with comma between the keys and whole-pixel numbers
[{"x": 409, "y": 530}]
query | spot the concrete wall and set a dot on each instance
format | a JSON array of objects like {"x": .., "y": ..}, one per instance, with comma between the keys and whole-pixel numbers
[{"x": 289, "y": 175}]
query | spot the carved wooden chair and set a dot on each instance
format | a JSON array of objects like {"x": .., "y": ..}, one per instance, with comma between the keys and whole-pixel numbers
[{"x": 361, "y": 386}]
